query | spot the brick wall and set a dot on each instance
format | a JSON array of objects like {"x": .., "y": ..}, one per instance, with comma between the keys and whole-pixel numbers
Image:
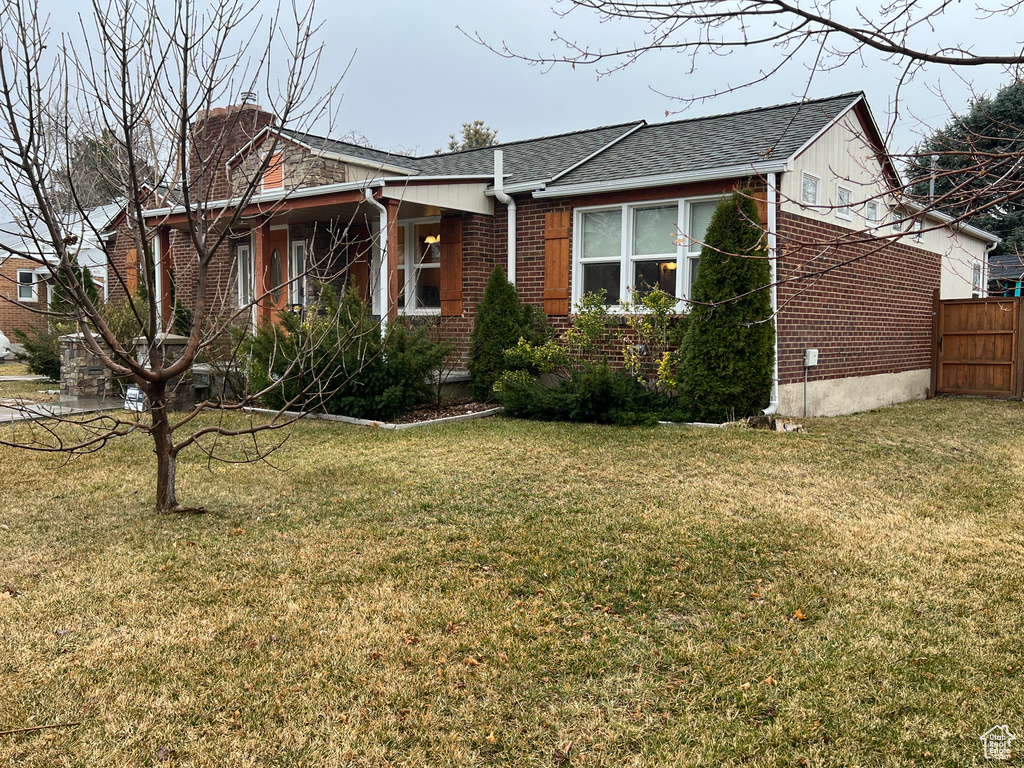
[
  {"x": 13, "y": 316},
  {"x": 214, "y": 139},
  {"x": 872, "y": 314}
]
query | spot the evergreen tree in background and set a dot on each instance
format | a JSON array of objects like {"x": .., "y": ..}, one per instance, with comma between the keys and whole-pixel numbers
[{"x": 978, "y": 169}]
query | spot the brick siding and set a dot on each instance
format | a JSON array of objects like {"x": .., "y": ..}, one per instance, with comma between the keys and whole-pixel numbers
[{"x": 871, "y": 315}]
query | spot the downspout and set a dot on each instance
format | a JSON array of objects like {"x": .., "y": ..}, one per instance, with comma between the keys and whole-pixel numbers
[
  {"x": 773, "y": 403},
  {"x": 985, "y": 267},
  {"x": 382, "y": 234},
  {"x": 158, "y": 278},
  {"x": 499, "y": 194}
]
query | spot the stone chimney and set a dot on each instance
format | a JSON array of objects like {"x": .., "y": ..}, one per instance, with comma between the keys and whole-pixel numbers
[{"x": 216, "y": 136}]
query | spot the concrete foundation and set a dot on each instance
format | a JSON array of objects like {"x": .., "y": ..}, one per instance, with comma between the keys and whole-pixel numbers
[{"x": 835, "y": 397}]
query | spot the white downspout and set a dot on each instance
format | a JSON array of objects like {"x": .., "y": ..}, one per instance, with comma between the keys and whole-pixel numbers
[
  {"x": 158, "y": 282},
  {"x": 773, "y": 403},
  {"x": 382, "y": 233},
  {"x": 499, "y": 193}
]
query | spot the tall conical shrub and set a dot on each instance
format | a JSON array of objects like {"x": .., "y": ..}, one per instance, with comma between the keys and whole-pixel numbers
[
  {"x": 501, "y": 320},
  {"x": 729, "y": 348}
]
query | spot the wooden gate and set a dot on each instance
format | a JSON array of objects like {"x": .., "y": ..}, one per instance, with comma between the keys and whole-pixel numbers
[{"x": 977, "y": 347}]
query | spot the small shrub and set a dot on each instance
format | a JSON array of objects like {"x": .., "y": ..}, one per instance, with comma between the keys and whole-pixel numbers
[
  {"x": 501, "y": 321},
  {"x": 333, "y": 360},
  {"x": 42, "y": 349}
]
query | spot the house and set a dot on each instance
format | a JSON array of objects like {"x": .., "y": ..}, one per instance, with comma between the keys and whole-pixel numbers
[
  {"x": 26, "y": 280},
  {"x": 607, "y": 208}
]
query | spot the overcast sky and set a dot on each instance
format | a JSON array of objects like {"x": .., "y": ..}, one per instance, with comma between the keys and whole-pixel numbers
[{"x": 415, "y": 77}]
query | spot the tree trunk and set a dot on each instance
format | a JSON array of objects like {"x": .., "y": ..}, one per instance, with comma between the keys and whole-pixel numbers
[{"x": 166, "y": 456}]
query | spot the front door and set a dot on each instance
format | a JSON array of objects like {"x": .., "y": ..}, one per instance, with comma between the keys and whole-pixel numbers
[{"x": 277, "y": 270}]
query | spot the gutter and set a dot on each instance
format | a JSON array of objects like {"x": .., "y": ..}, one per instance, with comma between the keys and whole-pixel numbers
[
  {"x": 642, "y": 182},
  {"x": 501, "y": 197},
  {"x": 773, "y": 193},
  {"x": 278, "y": 196}
]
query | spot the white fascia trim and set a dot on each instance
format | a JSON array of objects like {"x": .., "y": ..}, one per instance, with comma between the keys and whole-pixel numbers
[
  {"x": 277, "y": 196},
  {"x": 414, "y": 180},
  {"x": 828, "y": 127},
  {"x": 945, "y": 218},
  {"x": 515, "y": 189},
  {"x": 642, "y": 182}
]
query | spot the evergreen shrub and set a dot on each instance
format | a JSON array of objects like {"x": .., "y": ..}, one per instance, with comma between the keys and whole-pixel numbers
[
  {"x": 333, "y": 360},
  {"x": 501, "y": 321},
  {"x": 725, "y": 370}
]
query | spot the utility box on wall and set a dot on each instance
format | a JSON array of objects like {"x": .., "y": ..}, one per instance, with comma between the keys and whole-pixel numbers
[{"x": 810, "y": 358}]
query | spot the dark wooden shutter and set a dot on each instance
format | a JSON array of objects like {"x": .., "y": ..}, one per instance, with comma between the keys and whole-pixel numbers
[
  {"x": 451, "y": 267},
  {"x": 557, "y": 262}
]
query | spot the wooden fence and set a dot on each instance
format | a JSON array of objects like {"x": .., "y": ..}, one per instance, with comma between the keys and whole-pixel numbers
[{"x": 977, "y": 347}]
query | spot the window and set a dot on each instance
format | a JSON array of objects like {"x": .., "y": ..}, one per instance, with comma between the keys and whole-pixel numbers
[
  {"x": 28, "y": 287},
  {"x": 843, "y": 199},
  {"x": 640, "y": 248},
  {"x": 298, "y": 273},
  {"x": 419, "y": 266},
  {"x": 976, "y": 273},
  {"x": 917, "y": 228},
  {"x": 242, "y": 273},
  {"x": 871, "y": 212},
  {"x": 809, "y": 186}
]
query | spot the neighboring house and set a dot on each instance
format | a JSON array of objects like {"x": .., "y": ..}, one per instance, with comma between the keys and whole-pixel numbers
[
  {"x": 607, "y": 208},
  {"x": 26, "y": 282},
  {"x": 1006, "y": 274}
]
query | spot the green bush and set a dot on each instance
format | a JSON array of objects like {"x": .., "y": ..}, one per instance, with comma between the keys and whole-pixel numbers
[
  {"x": 333, "y": 360},
  {"x": 728, "y": 352},
  {"x": 42, "y": 349},
  {"x": 501, "y": 320}
]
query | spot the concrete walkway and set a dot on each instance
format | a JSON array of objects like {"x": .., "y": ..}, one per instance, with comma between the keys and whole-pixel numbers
[{"x": 66, "y": 406}]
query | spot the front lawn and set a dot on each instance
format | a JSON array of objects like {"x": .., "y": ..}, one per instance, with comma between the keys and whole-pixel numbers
[{"x": 500, "y": 592}]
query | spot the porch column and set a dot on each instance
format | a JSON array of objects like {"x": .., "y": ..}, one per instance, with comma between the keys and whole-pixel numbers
[
  {"x": 393, "y": 256},
  {"x": 165, "y": 259},
  {"x": 261, "y": 267}
]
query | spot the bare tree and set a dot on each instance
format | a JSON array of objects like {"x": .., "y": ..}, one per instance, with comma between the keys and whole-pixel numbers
[{"x": 147, "y": 77}]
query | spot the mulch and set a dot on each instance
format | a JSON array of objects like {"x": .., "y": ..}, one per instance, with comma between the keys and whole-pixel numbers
[{"x": 430, "y": 412}]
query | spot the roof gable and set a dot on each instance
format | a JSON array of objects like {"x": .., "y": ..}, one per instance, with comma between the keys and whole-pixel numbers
[{"x": 733, "y": 140}]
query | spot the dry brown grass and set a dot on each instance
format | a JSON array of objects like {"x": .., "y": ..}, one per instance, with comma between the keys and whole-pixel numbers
[{"x": 486, "y": 593}]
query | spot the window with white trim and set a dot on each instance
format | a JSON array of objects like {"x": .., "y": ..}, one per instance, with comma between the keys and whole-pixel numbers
[
  {"x": 297, "y": 290},
  {"x": 241, "y": 270},
  {"x": 871, "y": 212},
  {"x": 419, "y": 266},
  {"x": 976, "y": 273},
  {"x": 28, "y": 285},
  {"x": 810, "y": 188},
  {"x": 844, "y": 198},
  {"x": 918, "y": 228},
  {"x": 639, "y": 247}
]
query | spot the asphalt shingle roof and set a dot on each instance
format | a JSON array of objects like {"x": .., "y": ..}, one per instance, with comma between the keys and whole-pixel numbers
[
  {"x": 531, "y": 160},
  {"x": 627, "y": 150},
  {"x": 706, "y": 143}
]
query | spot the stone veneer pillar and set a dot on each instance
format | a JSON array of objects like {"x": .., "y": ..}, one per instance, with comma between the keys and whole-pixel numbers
[{"x": 82, "y": 373}]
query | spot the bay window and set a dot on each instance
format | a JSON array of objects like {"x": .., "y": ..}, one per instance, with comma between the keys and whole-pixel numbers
[{"x": 633, "y": 249}]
